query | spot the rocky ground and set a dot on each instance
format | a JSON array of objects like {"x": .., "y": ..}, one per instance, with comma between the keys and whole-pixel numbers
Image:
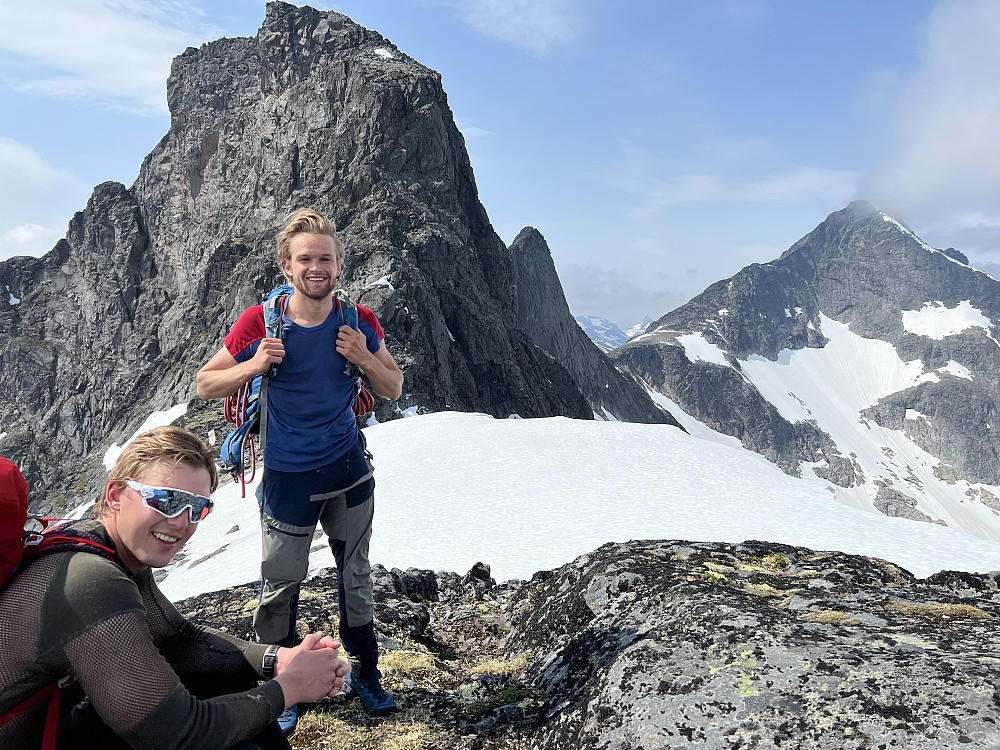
[
  {"x": 443, "y": 659},
  {"x": 663, "y": 644}
]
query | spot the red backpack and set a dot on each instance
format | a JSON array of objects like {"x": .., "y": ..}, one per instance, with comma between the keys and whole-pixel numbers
[
  {"x": 13, "y": 515},
  {"x": 17, "y": 544}
]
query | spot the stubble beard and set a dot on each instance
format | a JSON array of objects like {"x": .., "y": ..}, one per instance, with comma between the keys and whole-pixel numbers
[{"x": 301, "y": 286}]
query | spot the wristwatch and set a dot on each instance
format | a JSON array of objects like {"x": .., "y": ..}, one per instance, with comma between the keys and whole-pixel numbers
[{"x": 270, "y": 662}]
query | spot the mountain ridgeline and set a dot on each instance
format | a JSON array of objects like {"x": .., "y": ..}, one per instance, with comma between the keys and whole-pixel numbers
[{"x": 316, "y": 111}]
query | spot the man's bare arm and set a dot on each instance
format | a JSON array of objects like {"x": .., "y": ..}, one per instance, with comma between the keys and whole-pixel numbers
[{"x": 223, "y": 375}]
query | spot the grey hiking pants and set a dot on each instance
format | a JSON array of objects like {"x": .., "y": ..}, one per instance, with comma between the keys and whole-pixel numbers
[{"x": 292, "y": 503}]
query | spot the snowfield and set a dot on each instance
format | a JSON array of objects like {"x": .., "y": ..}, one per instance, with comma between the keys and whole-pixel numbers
[{"x": 532, "y": 494}]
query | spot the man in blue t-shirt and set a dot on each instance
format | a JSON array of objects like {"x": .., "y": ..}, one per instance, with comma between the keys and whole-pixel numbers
[{"x": 315, "y": 465}]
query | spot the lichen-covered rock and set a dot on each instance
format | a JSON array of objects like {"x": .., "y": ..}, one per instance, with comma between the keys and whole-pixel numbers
[
  {"x": 756, "y": 645},
  {"x": 668, "y": 644}
]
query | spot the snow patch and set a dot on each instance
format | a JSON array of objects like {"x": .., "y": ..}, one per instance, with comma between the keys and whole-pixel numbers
[
  {"x": 384, "y": 281},
  {"x": 2, "y": 436},
  {"x": 408, "y": 412},
  {"x": 12, "y": 299},
  {"x": 914, "y": 414},
  {"x": 724, "y": 312},
  {"x": 698, "y": 348},
  {"x": 156, "y": 419},
  {"x": 383, "y": 52},
  {"x": 832, "y": 386},
  {"x": 957, "y": 369},
  {"x": 935, "y": 321}
]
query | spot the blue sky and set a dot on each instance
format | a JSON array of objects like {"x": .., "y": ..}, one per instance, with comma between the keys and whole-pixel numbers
[{"x": 659, "y": 145}]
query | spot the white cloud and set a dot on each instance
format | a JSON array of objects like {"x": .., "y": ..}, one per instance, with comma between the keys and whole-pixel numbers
[
  {"x": 535, "y": 26},
  {"x": 25, "y": 174},
  {"x": 113, "y": 52},
  {"x": 471, "y": 131},
  {"x": 28, "y": 239},
  {"x": 829, "y": 187},
  {"x": 625, "y": 292},
  {"x": 942, "y": 155},
  {"x": 30, "y": 192}
]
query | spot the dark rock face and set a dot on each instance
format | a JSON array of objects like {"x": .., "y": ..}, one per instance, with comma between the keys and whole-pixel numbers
[
  {"x": 757, "y": 645},
  {"x": 543, "y": 313},
  {"x": 315, "y": 111},
  {"x": 667, "y": 644},
  {"x": 859, "y": 268}
]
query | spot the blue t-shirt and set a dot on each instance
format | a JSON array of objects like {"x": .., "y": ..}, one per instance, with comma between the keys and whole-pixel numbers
[{"x": 310, "y": 398}]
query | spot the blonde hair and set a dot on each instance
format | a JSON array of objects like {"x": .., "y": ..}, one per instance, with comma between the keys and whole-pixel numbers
[
  {"x": 170, "y": 444},
  {"x": 307, "y": 221}
]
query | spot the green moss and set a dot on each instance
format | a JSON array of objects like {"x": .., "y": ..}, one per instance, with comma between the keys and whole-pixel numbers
[{"x": 514, "y": 693}]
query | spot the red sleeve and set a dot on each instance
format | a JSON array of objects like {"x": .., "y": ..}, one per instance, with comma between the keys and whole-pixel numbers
[
  {"x": 370, "y": 319},
  {"x": 247, "y": 330}
]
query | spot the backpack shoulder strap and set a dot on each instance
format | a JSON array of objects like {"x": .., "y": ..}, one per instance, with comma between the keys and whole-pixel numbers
[
  {"x": 348, "y": 307},
  {"x": 58, "y": 539},
  {"x": 274, "y": 328}
]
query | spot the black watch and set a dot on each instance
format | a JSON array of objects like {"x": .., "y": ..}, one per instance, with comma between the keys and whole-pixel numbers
[{"x": 270, "y": 662}]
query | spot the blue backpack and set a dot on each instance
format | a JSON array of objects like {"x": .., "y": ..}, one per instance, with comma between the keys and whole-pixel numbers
[{"x": 247, "y": 408}]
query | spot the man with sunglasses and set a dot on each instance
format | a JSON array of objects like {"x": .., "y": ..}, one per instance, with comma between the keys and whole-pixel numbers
[
  {"x": 316, "y": 467},
  {"x": 144, "y": 676}
]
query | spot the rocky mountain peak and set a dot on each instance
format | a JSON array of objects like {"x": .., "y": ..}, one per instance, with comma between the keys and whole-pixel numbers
[
  {"x": 543, "y": 313},
  {"x": 313, "y": 111},
  {"x": 895, "y": 335}
]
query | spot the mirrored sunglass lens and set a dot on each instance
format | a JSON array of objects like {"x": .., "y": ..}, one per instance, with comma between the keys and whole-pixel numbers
[{"x": 172, "y": 503}]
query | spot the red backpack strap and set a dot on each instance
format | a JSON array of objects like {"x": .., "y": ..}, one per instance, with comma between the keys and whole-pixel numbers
[
  {"x": 55, "y": 540},
  {"x": 53, "y": 692}
]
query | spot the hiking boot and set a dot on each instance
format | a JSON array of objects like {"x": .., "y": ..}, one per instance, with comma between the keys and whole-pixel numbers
[
  {"x": 288, "y": 719},
  {"x": 373, "y": 697}
]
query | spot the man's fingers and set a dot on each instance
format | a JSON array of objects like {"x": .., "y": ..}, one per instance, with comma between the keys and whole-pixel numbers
[{"x": 310, "y": 641}]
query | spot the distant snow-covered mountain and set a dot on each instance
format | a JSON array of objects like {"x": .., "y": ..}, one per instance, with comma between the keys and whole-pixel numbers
[
  {"x": 602, "y": 332},
  {"x": 862, "y": 358},
  {"x": 639, "y": 328},
  {"x": 606, "y": 334}
]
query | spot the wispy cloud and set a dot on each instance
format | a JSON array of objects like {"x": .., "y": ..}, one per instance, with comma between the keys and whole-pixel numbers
[
  {"x": 535, "y": 26},
  {"x": 942, "y": 155},
  {"x": 746, "y": 14},
  {"x": 116, "y": 53},
  {"x": 471, "y": 130},
  {"x": 616, "y": 295},
  {"x": 832, "y": 187},
  {"x": 27, "y": 190},
  {"x": 29, "y": 239},
  {"x": 27, "y": 175}
]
